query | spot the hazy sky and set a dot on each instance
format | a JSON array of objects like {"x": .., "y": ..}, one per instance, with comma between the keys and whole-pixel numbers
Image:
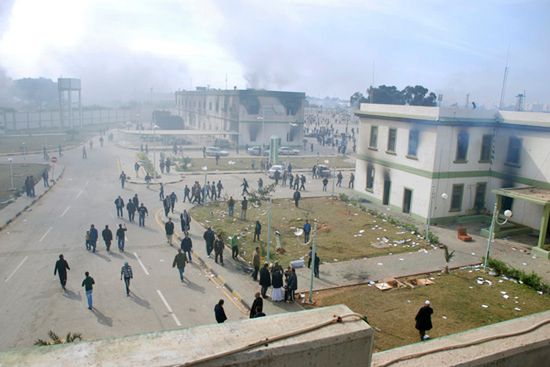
[{"x": 122, "y": 48}]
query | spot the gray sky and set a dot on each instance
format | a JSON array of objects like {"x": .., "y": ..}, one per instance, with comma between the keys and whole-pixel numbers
[{"x": 120, "y": 49}]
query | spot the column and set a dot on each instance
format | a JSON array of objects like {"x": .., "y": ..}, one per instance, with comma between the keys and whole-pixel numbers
[{"x": 543, "y": 225}]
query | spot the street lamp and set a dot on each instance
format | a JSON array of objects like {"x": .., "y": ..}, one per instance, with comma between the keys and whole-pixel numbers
[
  {"x": 263, "y": 128},
  {"x": 494, "y": 222},
  {"x": 12, "y": 187},
  {"x": 205, "y": 169},
  {"x": 333, "y": 176},
  {"x": 444, "y": 196},
  {"x": 155, "y": 127}
]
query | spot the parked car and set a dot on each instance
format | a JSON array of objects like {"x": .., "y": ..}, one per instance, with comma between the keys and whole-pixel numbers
[
  {"x": 222, "y": 143},
  {"x": 273, "y": 169},
  {"x": 215, "y": 151},
  {"x": 288, "y": 151},
  {"x": 323, "y": 171},
  {"x": 255, "y": 150}
]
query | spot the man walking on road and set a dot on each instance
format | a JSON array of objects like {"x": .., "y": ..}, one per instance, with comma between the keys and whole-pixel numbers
[
  {"x": 122, "y": 179},
  {"x": 219, "y": 246},
  {"x": 265, "y": 279},
  {"x": 61, "y": 267},
  {"x": 234, "y": 247},
  {"x": 187, "y": 246},
  {"x": 179, "y": 260},
  {"x": 107, "y": 237},
  {"x": 161, "y": 192},
  {"x": 130, "y": 207},
  {"x": 186, "y": 192},
  {"x": 121, "y": 237},
  {"x": 88, "y": 284},
  {"x": 339, "y": 176},
  {"x": 325, "y": 182},
  {"x": 142, "y": 211},
  {"x": 169, "y": 229},
  {"x": 230, "y": 206},
  {"x": 256, "y": 263},
  {"x": 219, "y": 186},
  {"x": 219, "y": 312},
  {"x": 93, "y": 237},
  {"x": 351, "y": 181},
  {"x": 173, "y": 201},
  {"x": 126, "y": 273},
  {"x": 424, "y": 320},
  {"x": 185, "y": 221},
  {"x": 297, "y": 196},
  {"x": 119, "y": 204},
  {"x": 209, "y": 237}
]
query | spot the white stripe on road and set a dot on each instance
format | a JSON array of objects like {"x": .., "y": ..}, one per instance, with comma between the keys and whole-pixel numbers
[
  {"x": 140, "y": 263},
  {"x": 79, "y": 193},
  {"x": 65, "y": 211},
  {"x": 45, "y": 234},
  {"x": 17, "y": 268},
  {"x": 169, "y": 308}
]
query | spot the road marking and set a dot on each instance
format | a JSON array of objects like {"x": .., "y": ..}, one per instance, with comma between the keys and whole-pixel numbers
[
  {"x": 140, "y": 263},
  {"x": 45, "y": 234},
  {"x": 65, "y": 211},
  {"x": 169, "y": 308},
  {"x": 79, "y": 193},
  {"x": 17, "y": 268}
]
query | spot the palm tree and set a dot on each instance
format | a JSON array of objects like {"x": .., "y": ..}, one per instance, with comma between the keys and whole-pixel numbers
[
  {"x": 70, "y": 338},
  {"x": 448, "y": 257}
]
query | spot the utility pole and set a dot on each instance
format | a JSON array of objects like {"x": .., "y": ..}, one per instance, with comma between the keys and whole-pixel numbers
[
  {"x": 269, "y": 231},
  {"x": 313, "y": 251}
]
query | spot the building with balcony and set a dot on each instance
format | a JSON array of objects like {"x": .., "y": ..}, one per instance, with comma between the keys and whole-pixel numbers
[{"x": 255, "y": 115}]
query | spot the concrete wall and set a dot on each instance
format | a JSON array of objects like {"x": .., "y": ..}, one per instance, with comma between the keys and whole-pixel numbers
[{"x": 340, "y": 344}]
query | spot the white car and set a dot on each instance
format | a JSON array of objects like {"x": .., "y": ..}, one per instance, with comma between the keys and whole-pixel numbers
[
  {"x": 288, "y": 151},
  {"x": 215, "y": 151},
  {"x": 275, "y": 168}
]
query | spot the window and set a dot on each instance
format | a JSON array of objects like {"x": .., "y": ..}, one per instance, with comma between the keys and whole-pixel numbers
[
  {"x": 373, "y": 137},
  {"x": 486, "y": 148},
  {"x": 514, "y": 149},
  {"x": 456, "y": 198},
  {"x": 370, "y": 176},
  {"x": 413, "y": 143},
  {"x": 462, "y": 146},
  {"x": 479, "y": 202},
  {"x": 392, "y": 137}
]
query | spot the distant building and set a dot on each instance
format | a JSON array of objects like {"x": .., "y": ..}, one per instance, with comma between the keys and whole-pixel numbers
[
  {"x": 409, "y": 157},
  {"x": 255, "y": 114}
]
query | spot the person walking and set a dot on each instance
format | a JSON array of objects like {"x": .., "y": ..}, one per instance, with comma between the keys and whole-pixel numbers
[
  {"x": 126, "y": 273},
  {"x": 277, "y": 294},
  {"x": 121, "y": 237},
  {"x": 230, "y": 206},
  {"x": 316, "y": 264},
  {"x": 45, "y": 178},
  {"x": 122, "y": 179},
  {"x": 265, "y": 279},
  {"x": 297, "y": 196},
  {"x": 87, "y": 239},
  {"x": 292, "y": 284},
  {"x": 136, "y": 168},
  {"x": 219, "y": 246},
  {"x": 93, "y": 237},
  {"x": 424, "y": 320},
  {"x": 107, "y": 237},
  {"x": 88, "y": 284},
  {"x": 119, "y": 204},
  {"x": 219, "y": 312},
  {"x": 185, "y": 221},
  {"x": 307, "y": 231},
  {"x": 219, "y": 186},
  {"x": 166, "y": 206},
  {"x": 209, "y": 237},
  {"x": 257, "y": 305},
  {"x": 325, "y": 183},
  {"x": 244, "y": 207},
  {"x": 244, "y": 185},
  {"x": 173, "y": 201},
  {"x": 256, "y": 263},
  {"x": 161, "y": 191},
  {"x": 186, "y": 192},
  {"x": 187, "y": 246},
  {"x": 169, "y": 229},
  {"x": 339, "y": 176},
  {"x": 131, "y": 210},
  {"x": 142, "y": 211},
  {"x": 135, "y": 200},
  {"x": 302, "y": 182},
  {"x": 351, "y": 181},
  {"x": 257, "y": 231},
  {"x": 179, "y": 261},
  {"x": 234, "y": 247},
  {"x": 61, "y": 267}
]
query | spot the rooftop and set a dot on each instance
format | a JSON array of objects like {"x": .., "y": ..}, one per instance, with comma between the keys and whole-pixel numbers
[{"x": 532, "y": 194}]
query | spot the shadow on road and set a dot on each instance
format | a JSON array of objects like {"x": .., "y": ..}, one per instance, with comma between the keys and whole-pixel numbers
[
  {"x": 72, "y": 295},
  {"x": 102, "y": 319},
  {"x": 114, "y": 254},
  {"x": 140, "y": 301},
  {"x": 193, "y": 286},
  {"x": 108, "y": 259}
]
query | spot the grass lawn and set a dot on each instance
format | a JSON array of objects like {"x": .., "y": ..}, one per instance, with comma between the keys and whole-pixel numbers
[
  {"x": 15, "y": 144},
  {"x": 20, "y": 171},
  {"x": 456, "y": 299},
  {"x": 339, "y": 227},
  {"x": 235, "y": 164}
]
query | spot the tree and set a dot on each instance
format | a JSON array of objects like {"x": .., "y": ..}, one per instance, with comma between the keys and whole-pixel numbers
[
  {"x": 448, "y": 257},
  {"x": 356, "y": 99},
  {"x": 416, "y": 96},
  {"x": 385, "y": 94},
  {"x": 389, "y": 94}
]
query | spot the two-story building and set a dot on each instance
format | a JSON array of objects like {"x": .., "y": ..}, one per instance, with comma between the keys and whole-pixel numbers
[
  {"x": 440, "y": 163},
  {"x": 255, "y": 114}
]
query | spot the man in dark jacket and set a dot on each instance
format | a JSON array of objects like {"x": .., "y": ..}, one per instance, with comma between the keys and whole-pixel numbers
[
  {"x": 179, "y": 260},
  {"x": 169, "y": 229},
  {"x": 131, "y": 210},
  {"x": 265, "y": 279},
  {"x": 256, "y": 263},
  {"x": 186, "y": 246},
  {"x": 424, "y": 320},
  {"x": 209, "y": 237},
  {"x": 93, "y": 237},
  {"x": 119, "y": 204},
  {"x": 142, "y": 211},
  {"x": 257, "y": 305},
  {"x": 244, "y": 207},
  {"x": 296, "y": 198},
  {"x": 107, "y": 237},
  {"x": 292, "y": 284},
  {"x": 121, "y": 237},
  {"x": 219, "y": 312},
  {"x": 307, "y": 231},
  {"x": 61, "y": 267},
  {"x": 173, "y": 201},
  {"x": 257, "y": 231},
  {"x": 219, "y": 246}
]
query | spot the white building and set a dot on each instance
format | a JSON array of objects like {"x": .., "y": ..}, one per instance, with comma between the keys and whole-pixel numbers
[
  {"x": 255, "y": 114},
  {"x": 411, "y": 157}
]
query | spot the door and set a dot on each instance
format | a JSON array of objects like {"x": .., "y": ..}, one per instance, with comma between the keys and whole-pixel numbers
[
  {"x": 479, "y": 202},
  {"x": 387, "y": 188},
  {"x": 407, "y": 198}
]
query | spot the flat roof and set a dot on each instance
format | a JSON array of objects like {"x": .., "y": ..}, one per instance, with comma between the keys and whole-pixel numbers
[
  {"x": 532, "y": 194},
  {"x": 242, "y": 92},
  {"x": 180, "y": 132}
]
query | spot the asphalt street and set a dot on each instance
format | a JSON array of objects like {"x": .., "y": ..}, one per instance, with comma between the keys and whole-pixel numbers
[{"x": 32, "y": 301}]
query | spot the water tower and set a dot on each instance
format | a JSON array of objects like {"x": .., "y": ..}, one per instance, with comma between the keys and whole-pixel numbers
[{"x": 66, "y": 88}]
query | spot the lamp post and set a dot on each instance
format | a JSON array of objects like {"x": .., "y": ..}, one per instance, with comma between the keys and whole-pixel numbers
[
  {"x": 205, "y": 169},
  {"x": 327, "y": 162},
  {"x": 155, "y": 127},
  {"x": 313, "y": 251},
  {"x": 260, "y": 117},
  {"x": 444, "y": 196},
  {"x": 268, "y": 231},
  {"x": 494, "y": 222},
  {"x": 12, "y": 187}
]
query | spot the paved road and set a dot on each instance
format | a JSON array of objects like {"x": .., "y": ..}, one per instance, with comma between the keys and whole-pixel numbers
[{"x": 32, "y": 300}]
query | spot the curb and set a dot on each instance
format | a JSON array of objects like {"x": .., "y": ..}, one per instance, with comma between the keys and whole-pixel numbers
[
  {"x": 156, "y": 183},
  {"x": 31, "y": 152},
  {"x": 35, "y": 200},
  {"x": 242, "y": 172}
]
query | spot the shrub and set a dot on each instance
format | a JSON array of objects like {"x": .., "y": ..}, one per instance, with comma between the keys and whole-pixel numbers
[{"x": 531, "y": 280}]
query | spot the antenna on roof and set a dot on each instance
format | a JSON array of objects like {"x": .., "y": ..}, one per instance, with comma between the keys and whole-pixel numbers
[{"x": 503, "y": 90}]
